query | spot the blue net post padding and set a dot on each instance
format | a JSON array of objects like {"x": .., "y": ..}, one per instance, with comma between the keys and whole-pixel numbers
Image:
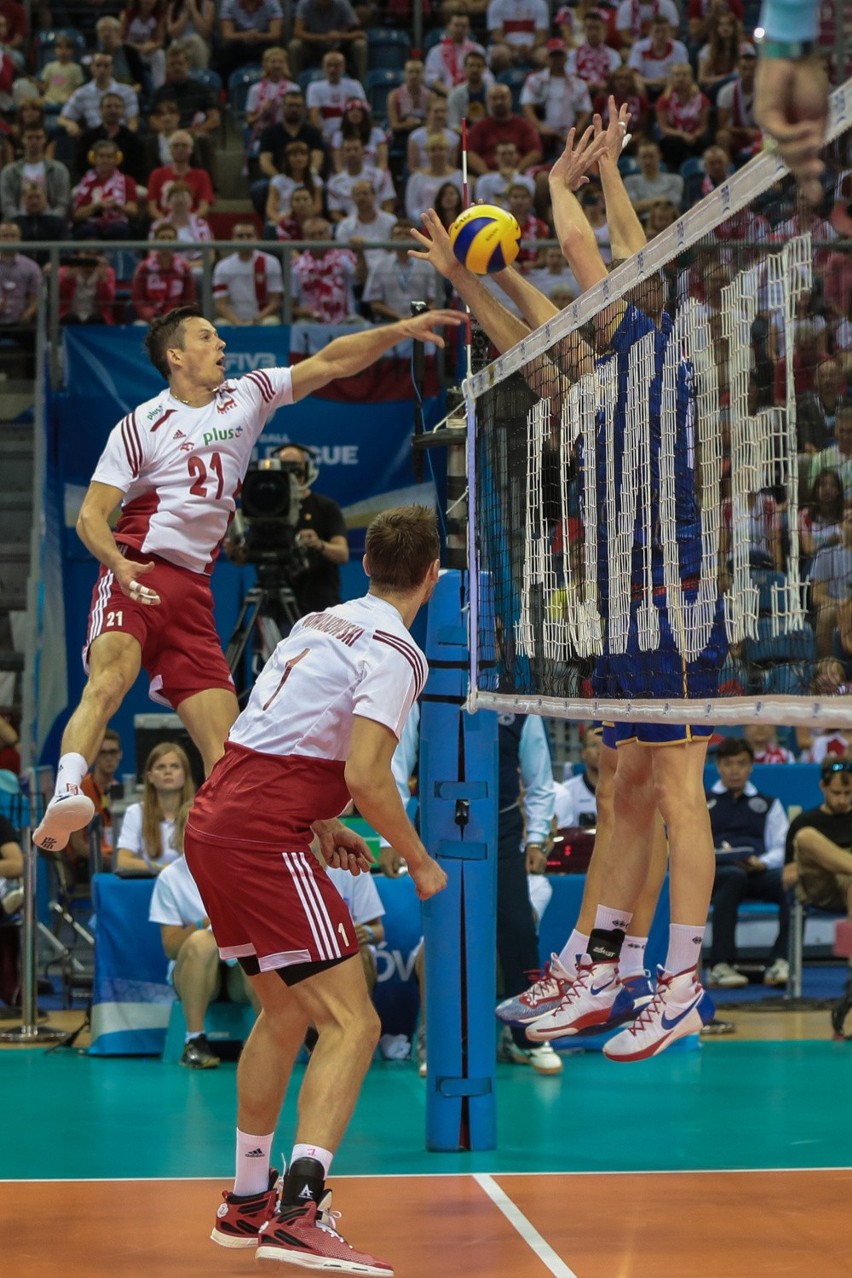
[{"x": 458, "y": 825}]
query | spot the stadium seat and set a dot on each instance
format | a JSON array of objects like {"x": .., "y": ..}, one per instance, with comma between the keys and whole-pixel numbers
[
  {"x": 387, "y": 50},
  {"x": 789, "y": 680},
  {"x": 45, "y": 46},
  {"x": 794, "y": 646},
  {"x": 239, "y": 83},
  {"x": 764, "y": 579},
  {"x": 432, "y": 38},
  {"x": 211, "y": 78},
  {"x": 514, "y": 77},
  {"x": 377, "y": 85},
  {"x": 308, "y": 77}
]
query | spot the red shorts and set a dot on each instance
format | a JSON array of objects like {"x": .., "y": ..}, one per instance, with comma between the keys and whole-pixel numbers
[
  {"x": 278, "y": 907},
  {"x": 181, "y": 651}
]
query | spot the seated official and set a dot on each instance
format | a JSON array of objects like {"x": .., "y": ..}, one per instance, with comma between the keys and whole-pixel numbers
[
  {"x": 198, "y": 974},
  {"x": 147, "y": 841},
  {"x": 365, "y": 905},
  {"x": 99, "y": 784},
  {"x": 575, "y": 798},
  {"x": 819, "y": 855},
  {"x": 749, "y": 833}
]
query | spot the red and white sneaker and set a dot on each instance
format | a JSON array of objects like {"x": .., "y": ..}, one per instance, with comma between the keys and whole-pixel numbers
[
  {"x": 544, "y": 995},
  {"x": 65, "y": 813},
  {"x": 239, "y": 1220},
  {"x": 680, "y": 1006},
  {"x": 306, "y": 1234},
  {"x": 586, "y": 1003}
]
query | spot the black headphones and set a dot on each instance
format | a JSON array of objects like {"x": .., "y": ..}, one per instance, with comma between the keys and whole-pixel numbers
[{"x": 311, "y": 467}]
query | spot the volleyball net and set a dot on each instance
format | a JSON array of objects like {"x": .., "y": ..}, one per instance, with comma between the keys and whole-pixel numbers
[{"x": 660, "y": 496}]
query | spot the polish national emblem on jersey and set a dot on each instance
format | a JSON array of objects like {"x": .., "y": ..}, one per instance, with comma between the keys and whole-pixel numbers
[{"x": 226, "y": 405}]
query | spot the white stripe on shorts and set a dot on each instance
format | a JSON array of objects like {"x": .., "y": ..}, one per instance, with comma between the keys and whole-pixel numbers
[
  {"x": 313, "y": 904},
  {"x": 96, "y": 624}
]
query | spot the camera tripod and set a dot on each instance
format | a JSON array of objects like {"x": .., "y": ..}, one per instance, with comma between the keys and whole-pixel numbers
[{"x": 268, "y": 612}]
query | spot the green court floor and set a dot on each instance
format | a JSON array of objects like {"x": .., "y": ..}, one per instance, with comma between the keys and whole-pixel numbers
[{"x": 729, "y": 1105}]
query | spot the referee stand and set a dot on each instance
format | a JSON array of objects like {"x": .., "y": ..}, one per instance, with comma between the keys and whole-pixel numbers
[{"x": 458, "y": 825}]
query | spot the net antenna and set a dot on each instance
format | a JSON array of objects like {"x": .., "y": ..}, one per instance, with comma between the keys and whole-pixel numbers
[{"x": 648, "y": 529}]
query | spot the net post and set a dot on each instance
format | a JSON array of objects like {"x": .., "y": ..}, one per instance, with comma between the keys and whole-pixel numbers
[{"x": 458, "y": 824}]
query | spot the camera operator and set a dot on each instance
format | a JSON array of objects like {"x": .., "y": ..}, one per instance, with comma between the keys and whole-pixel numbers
[
  {"x": 320, "y": 533},
  {"x": 320, "y": 542}
]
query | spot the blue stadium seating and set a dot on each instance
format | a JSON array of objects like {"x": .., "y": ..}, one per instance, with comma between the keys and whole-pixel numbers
[
  {"x": 377, "y": 85},
  {"x": 239, "y": 83},
  {"x": 387, "y": 50}
]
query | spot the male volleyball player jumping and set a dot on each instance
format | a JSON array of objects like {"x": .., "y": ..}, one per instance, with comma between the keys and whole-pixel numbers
[
  {"x": 322, "y": 725},
  {"x": 175, "y": 466},
  {"x": 669, "y": 776}
]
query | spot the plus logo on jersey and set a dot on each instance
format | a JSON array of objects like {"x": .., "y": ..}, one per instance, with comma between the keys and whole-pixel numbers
[{"x": 218, "y": 436}]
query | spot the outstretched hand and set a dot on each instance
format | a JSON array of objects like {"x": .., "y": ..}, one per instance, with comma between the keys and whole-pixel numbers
[
  {"x": 578, "y": 157},
  {"x": 615, "y": 131},
  {"x": 437, "y": 249},
  {"x": 422, "y": 327}
]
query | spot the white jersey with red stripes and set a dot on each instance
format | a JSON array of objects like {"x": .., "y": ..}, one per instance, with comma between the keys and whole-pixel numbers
[
  {"x": 284, "y": 760},
  {"x": 181, "y": 468},
  {"x": 518, "y": 19},
  {"x": 356, "y": 658}
]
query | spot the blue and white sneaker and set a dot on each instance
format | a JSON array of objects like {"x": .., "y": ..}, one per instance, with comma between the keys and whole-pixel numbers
[
  {"x": 679, "y": 1007},
  {"x": 543, "y": 996},
  {"x": 586, "y": 1004},
  {"x": 635, "y": 994}
]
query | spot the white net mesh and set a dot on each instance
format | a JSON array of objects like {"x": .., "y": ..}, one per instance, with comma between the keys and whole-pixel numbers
[{"x": 669, "y": 536}]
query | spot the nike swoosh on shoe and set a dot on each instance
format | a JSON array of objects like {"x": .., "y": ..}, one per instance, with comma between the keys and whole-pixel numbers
[{"x": 670, "y": 1024}]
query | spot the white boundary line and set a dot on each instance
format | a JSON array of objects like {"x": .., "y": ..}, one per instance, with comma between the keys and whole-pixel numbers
[
  {"x": 443, "y": 1175},
  {"x": 525, "y": 1228}
]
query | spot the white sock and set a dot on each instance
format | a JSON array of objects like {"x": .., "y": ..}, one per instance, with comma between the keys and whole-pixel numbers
[
  {"x": 609, "y": 920},
  {"x": 192, "y": 1034},
  {"x": 252, "y": 1164},
  {"x": 323, "y": 1156},
  {"x": 632, "y": 960},
  {"x": 70, "y": 771},
  {"x": 573, "y": 950},
  {"x": 685, "y": 942}
]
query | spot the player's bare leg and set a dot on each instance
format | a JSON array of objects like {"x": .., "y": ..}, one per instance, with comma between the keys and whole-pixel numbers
[
  {"x": 208, "y": 717},
  {"x": 114, "y": 662}
]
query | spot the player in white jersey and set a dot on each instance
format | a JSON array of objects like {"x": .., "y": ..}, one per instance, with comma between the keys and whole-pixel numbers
[
  {"x": 322, "y": 725},
  {"x": 175, "y": 466}
]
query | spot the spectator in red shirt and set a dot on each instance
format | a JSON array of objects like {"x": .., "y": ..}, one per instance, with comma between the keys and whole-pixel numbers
[
  {"x": 501, "y": 125},
  {"x": 683, "y": 113},
  {"x": 180, "y": 170},
  {"x": 86, "y": 290},
  {"x": 17, "y": 24},
  {"x": 163, "y": 280},
  {"x": 622, "y": 87},
  {"x": 106, "y": 203},
  {"x": 532, "y": 227}
]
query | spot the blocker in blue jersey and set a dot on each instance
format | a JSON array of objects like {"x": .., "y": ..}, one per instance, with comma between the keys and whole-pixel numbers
[{"x": 458, "y": 824}]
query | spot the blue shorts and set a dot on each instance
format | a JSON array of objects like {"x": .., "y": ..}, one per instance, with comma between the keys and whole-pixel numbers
[{"x": 655, "y": 734}]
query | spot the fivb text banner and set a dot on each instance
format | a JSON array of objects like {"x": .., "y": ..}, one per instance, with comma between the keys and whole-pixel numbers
[{"x": 363, "y": 446}]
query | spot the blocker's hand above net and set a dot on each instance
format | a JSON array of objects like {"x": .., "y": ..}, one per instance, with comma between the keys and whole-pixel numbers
[
  {"x": 791, "y": 106},
  {"x": 437, "y": 249},
  {"x": 616, "y": 130},
  {"x": 422, "y": 327},
  {"x": 578, "y": 157}
]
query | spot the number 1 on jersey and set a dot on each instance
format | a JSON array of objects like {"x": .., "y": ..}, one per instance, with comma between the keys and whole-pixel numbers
[{"x": 288, "y": 666}]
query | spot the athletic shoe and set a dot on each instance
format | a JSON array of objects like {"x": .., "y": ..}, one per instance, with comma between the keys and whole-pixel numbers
[
  {"x": 725, "y": 977},
  {"x": 198, "y": 1054},
  {"x": 542, "y": 1056},
  {"x": 778, "y": 973},
  {"x": 420, "y": 1050},
  {"x": 636, "y": 992},
  {"x": 239, "y": 1219},
  {"x": 543, "y": 996},
  {"x": 306, "y": 1234},
  {"x": 679, "y": 1007},
  {"x": 841, "y": 1010},
  {"x": 65, "y": 813},
  {"x": 586, "y": 1004},
  {"x": 12, "y": 901}
]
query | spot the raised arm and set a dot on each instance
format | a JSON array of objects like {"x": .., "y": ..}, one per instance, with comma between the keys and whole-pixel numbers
[
  {"x": 573, "y": 230},
  {"x": 346, "y": 356},
  {"x": 626, "y": 234}
]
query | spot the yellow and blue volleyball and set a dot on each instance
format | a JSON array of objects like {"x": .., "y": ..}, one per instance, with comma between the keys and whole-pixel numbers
[{"x": 485, "y": 238}]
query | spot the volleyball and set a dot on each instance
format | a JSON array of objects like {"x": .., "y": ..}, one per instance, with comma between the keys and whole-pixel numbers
[{"x": 485, "y": 238}]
